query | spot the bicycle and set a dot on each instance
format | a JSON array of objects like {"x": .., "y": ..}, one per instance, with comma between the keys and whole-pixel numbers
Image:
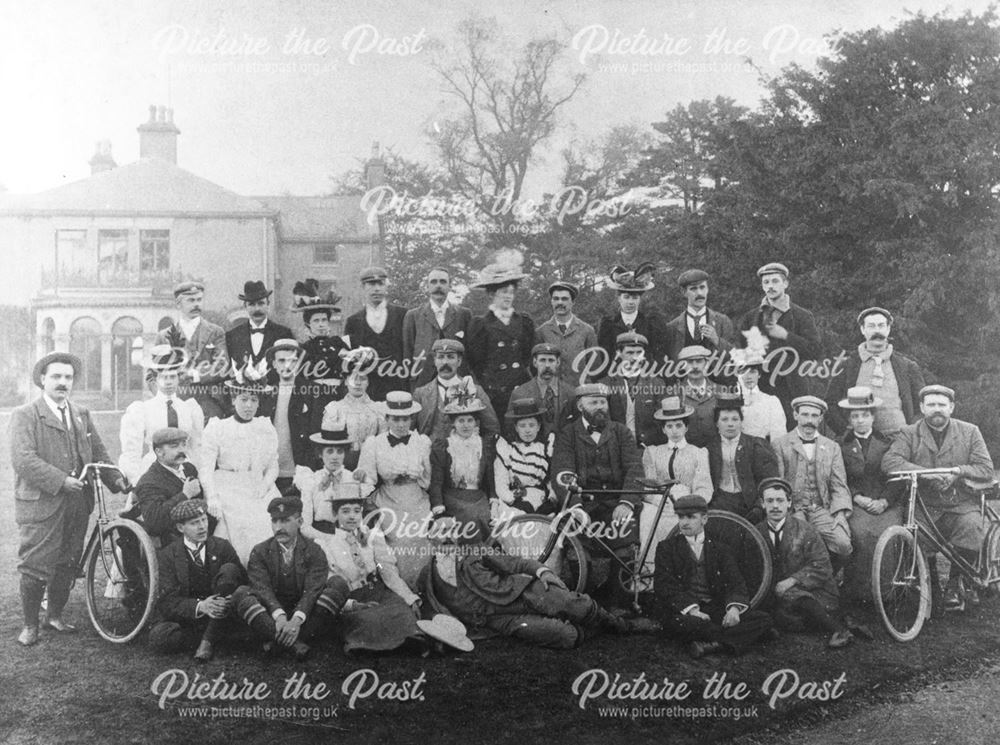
[
  {"x": 553, "y": 541},
  {"x": 901, "y": 576},
  {"x": 119, "y": 567}
]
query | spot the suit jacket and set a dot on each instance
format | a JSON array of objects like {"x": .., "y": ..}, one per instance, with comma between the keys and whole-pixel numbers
[
  {"x": 208, "y": 354},
  {"x": 435, "y": 424},
  {"x": 677, "y": 333},
  {"x": 311, "y": 569},
  {"x": 649, "y": 325},
  {"x": 176, "y": 602},
  {"x": 41, "y": 455},
  {"x": 675, "y": 570},
  {"x": 802, "y": 554},
  {"x": 963, "y": 446},
  {"x": 578, "y": 337},
  {"x": 305, "y": 415},
  {"x": 421, "y": 330},
  {"x": 577, "y": 452},
  {"x": 755, "y": 461},
  {"x": 441, "y": 470},
  {"x": 909, "y": 380},
  {"x": 240, "y": 348},
  {"x": 565, "y": 402},
  {"x": 802, "y": 337},
  {"x": 388, "y": 344},
  {"x": 500, "y": 354},
  {"x": 159, "y": 491},
  {"x": 650, "y": 390},
  {"x": 864, "y": 470},
  {"x": 831, "y": 478},
  {"x": 483, "y": 582}
]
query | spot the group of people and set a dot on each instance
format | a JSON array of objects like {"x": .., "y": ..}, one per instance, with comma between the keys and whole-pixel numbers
[{"x": 340, "y": 481}]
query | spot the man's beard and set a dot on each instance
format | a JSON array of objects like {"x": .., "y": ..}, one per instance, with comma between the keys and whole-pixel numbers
[{"x": 599, "y": 417}]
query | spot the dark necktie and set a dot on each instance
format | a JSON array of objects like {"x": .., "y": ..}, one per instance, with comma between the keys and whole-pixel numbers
[
  {"x": 779, "y": 572},
  {"x": 670, "y": 464},
  {"x": 68, "y": 424},
  {"x": 196, "y": 556},
  {"x": 696, "y": 324},
  {"x": 171, "y": 413},
  {"x": 394, "y": 441},
  {"x": 863, "y": 441},
  {"x": 550, "y": 405},
  {"x": 562, "y": 328}
]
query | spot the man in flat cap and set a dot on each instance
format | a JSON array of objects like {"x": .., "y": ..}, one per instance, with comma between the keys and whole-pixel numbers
[
  {"x": 51, "y": 440},
  {"x": 169, "y": 480},
  {"x": 698, "y": 324},
  {"x": 595, "y": 452},
  {"x": 430, "y": 321},
  {"x": 547, "y": 388},
  {"x": 700, "y": 594},
  {"x": 631, "y": 285},
  {"x": 894, "y": 379},
  {"x": 699, "y": 392},
  {"x": 248, "y": 341},
  {"x": 788, "y": 327},
  {"x": 940, "y": 441},
  {"x": 198, "y": 575},
  {"x": 635, "y": 393},
  {"x": 566, "y": 332},
  {"x": 379, "y": 325},
  {"x": 290, "y": 600},
  {"x": 207, "y": 354},
  {"x": 433, "y": 396},
  {"x": 814, "y": 466}
]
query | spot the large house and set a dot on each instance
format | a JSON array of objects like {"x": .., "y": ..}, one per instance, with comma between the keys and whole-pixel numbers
[{"x": 96, "y": 259}]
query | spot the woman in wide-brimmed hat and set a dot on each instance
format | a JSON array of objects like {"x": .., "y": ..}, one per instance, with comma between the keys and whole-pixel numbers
[
  {"x": 521, "y": 468},
  {"x": 364, "y": 417},
  {"x": 398, "y": 463},
  {"x": 500, "y": 342},
  {"x": 462, "y": 464},
  {"x": 324, "y": 351},
  {"x": 239, "y": 465}
]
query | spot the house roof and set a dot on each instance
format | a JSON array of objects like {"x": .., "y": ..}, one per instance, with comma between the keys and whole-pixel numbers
[{"x": 320, "y": 218}]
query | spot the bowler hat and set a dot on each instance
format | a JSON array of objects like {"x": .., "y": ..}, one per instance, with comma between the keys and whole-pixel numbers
[
  {"x": 44, "y": 362},
  {"x": 254, "y": 291}
]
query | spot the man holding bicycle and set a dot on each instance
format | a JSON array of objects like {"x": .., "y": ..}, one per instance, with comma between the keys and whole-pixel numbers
[{"x": 939, "y": 441}]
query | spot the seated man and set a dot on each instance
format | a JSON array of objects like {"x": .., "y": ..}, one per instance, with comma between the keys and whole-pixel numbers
[
  {"x": 635, "y": 395},
  {"x": 805, "y": 592},
  {"x": 198, "y": 574},
  {"x": 514, "y": 596},
  {"x": 169, "y": 481},
  {"x": 814, "y": 466},
  {"x": 938, "y": 441},
  {"x": 289, "y": 599},
  {"x": 700, "y": 595}
]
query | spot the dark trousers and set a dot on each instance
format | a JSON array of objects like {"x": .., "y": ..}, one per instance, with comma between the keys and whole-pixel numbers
[
  {"x": 737, "y": 639},
  {"x": 319, "y": 620},
  {"x": 805, "y": 613},
  {"x": 173, "y": 636}
]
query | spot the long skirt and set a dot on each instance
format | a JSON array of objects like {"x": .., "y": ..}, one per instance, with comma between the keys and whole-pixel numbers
[
  {"x": 244, "y": 521},
  {"x": 382, "y": 627},
  {"x": 865, "y": 531},
  {"x": 405, "y": 515},
  {"x": 469, "y": 507}
]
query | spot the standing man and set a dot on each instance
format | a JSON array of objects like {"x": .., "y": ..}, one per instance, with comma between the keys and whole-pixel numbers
[
  {"x": 547, "y": 389},
  {"x": 433, "y": 320},
  {"x": 892, "y": 377},
  {"x": 630, "y": 286},
  {"x": 448, "y": 357},
  {"x": 205, "y": 344},
  {"x": 379, "y": 325},
  {"x": 938, "y": 441},
  {"x": 634, "y": 395},
  {"x": 699, "y": 392},
  {"x": 698, "y": 324},
  {"x": 51, "y": 440},
  {"x": 789, "y": 327},
  {"x": 814, "y": 466},
  {"x": 566, "y": 332},
  {"x": 247, "y": 342}
]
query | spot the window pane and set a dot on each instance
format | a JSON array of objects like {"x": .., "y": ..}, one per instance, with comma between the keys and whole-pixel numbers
[
  {"x": 154, "y": 250},
  {"x": 72, "y": 254},
  {"x": 112, "y": 252},
  {"x": 325, "y": 253}
]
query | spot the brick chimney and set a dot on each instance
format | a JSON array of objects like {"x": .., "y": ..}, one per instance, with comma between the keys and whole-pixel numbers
[
  {"x": 374, "y": 168},
  {"x": 158, "y": 136},
  {"x": 102, "y": 160}
]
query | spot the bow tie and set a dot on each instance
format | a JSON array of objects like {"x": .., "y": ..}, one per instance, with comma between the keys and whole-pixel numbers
[
  {"x": 592, "y": 428},
  {"x": 807, "y": 442},
  {"x": 394, "y": 441},
  {"x": 256, "y": 331}
]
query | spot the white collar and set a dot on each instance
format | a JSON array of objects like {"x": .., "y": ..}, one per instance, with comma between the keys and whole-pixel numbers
[
  {"x": 779, "y": 527},
  {"x": 568, "y": 324},
  {"x": 677, "y": 445},
  {"x": 189, "y": 324},
  {"x": 254, "y": 326},
  {"x": 193, "y": 547},
  {"x": 380, "y": 308},
  {"x": 698, "y": 540},
  {"x": 439, "y": 308},
  {"x": 163, "y": 397},
  {"x": 629, "y": 318},
  {"x": 55, "y": 407},
  {"x": 696, "y": 313}
]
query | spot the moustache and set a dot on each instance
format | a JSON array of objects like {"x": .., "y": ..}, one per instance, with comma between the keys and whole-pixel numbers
[{"x": 879, "y": 336}]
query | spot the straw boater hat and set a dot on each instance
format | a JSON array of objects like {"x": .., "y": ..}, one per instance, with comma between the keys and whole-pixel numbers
[
  {"x": 672, "y": 407},
  {"x": 860, "y": 397},
  {"x": 494, "y": 276},
  {"x": 332, "y": 431},
  {"x": 639, "y": 279},
  {"x": 449, "y": 630},
  {"x": 399, "y": 403},
  {"x": 44, "y": 362},
  {"x": 282, "y": 345},
  {"x": 816, "y": 401},
  {"x": 165, "y": 358}
]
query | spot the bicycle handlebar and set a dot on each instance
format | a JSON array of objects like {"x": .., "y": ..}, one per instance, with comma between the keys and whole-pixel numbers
[
  {"x": 98, "y": 467},
  {"x": 907, "y": 475}
]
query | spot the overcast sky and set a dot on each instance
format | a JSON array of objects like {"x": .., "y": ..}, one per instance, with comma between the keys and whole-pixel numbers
[{"x": 260, "y": 112}]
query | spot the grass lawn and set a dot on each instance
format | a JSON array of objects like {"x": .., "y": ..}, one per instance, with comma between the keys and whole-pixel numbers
[{"x": 82, "y": 689}]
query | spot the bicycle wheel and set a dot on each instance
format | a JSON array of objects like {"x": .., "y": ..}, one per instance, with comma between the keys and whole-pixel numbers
[
  {"x": 528, "y": 536},
  {"x": 990, "y": 571},
  {"x": 901, "y": 583},
  {"x": 750, "y": 549},
  {"x": 121, "y": 575}
]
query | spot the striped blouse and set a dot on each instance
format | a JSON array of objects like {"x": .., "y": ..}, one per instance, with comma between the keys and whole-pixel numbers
[{"x": 528, "y": 463}]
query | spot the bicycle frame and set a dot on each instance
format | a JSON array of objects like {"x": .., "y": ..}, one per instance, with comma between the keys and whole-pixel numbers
[{"x": 92, "y": 474}]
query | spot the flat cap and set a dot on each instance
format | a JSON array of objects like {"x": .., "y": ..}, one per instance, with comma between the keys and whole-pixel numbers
[
  {"x": 774, "y": 482},
  {"x": 942, "y": 390},
  {"x": 373, "y": 274},
  {"x": 188, "y": 288},
  {"x": 631, "y": 339},
  {"x": 168, "y": 436},
  {"x": 694, "y": 352},
  {"x": 447, "y": 345},
  {"x": 690, "y": 504},
  {"x": 282, "y": 507},
  {"x": 692, "y": 277},
  {"x": 773, "y": 268},
  {"x": 591, "y": 389},
  {"x": 816, "y": 401},
  {"x": 871, "y": 312},
  {"x": 189, "y": 509},
  {"x": 571, "y": 288},
  {"x": 546, "y": 348}
]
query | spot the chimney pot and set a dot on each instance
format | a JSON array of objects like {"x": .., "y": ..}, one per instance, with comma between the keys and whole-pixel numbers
[{"x": 152, "y": 113}]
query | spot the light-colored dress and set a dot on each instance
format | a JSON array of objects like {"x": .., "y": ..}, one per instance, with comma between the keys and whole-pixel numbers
[
  {"x": 526, "y": 464},
  {"x": 142, "y": 418},
  {"x": 402, "y": 474},
  {"x": 363, "y": 419},
  {"x": 762, "y": 415},
  {"x": 239, "y": 466}
]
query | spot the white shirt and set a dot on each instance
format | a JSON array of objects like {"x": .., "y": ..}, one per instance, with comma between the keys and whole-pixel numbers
[
  {"x": 257, "y": 340},
  {"x": 189, "y": 326},
  {"x": 775, "y": 530},
  {"x": 56, "y": 408},
  {"x": 377, "y": 316},
  {"x": 809, "y": 447},
  {"x": 439, "y": 312},
  {"x": 693, "y": 316},
  {"x": 697, "y": 543},
  {"x": 629, "y": 318}
]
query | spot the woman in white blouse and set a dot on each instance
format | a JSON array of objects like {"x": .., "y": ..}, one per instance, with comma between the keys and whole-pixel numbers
[{"x": 363, "y": 416}]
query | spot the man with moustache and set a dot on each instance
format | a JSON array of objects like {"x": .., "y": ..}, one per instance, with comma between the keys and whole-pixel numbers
[
  {"x": 433, "y": 396},
  {"x": 433, "y": 320},
  {"x": 893, "y": 378},
  {"x": 566, "y": 332},
  {"x": 698, "y": 325},
  {"x": 635, "y": 395},
  {"x": 205, "y": 344},
  {"x": 940, "y": 441},
  {"x": 248, "y": 342},
  {"x": 51, "y": 440},
  {"x": 814, "y": 466},
  {"x": 547, "y": 389},
  {"x": 379, "y": 325}
]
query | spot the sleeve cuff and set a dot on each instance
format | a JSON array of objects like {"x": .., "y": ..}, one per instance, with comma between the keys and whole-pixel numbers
[
  {"x": 198, "y": 612},
  {"x": 439, "y": 510},
  {"x": 541, "y": 570},
  {"x": 277, "y": 613},
  {"x": 627, "y": 504},
  {"x": 741, "y": 607},
  {"x": 687, "y": 611},
  {"x": 299, "y": 615}
]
